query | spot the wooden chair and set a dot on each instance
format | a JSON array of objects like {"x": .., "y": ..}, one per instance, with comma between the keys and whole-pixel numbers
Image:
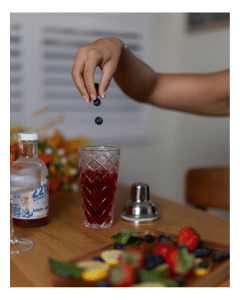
[{"x": 208, "y": 187}]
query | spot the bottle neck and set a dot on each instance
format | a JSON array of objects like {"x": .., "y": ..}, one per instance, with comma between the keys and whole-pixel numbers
[{"x": 28, "y": 149}]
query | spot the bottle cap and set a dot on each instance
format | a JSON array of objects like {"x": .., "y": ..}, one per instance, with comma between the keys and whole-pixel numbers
[{"x": 28, "y": 136}]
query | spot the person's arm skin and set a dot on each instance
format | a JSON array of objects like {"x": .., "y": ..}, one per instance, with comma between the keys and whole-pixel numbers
[{"x": 206, "y": 94}]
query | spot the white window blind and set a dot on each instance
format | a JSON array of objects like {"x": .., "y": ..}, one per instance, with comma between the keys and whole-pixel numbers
[
  {"x": 50, "y": 43},
  {"x": 16, "y": 69}
]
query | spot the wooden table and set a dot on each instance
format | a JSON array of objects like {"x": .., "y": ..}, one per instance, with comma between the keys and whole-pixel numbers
[{"x": 66, "y": 238}]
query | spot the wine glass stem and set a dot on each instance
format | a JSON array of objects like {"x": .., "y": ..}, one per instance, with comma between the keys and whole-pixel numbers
[{"x": 12, "y": 234}]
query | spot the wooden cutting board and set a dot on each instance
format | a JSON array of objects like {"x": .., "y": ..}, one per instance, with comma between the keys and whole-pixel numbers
[{"x": 219, "y": 270}]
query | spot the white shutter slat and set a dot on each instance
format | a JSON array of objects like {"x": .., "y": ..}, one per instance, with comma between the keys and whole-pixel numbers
[{"x": 57, "y": 38}]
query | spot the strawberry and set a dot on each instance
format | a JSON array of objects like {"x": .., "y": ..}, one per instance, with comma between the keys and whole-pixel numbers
[
  {"x": 169, "y": 252},
  {"x": 163, "y": 249},
  {"x": 189, "y": 237},
  {"x": 123, "y": 275}
]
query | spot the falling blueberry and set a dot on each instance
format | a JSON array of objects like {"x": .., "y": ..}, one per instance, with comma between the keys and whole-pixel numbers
[
  {"x": 97, "y": 102},
  {"x": 98, "y": 120}
]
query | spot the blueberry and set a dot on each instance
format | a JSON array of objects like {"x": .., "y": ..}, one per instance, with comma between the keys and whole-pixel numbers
[
  {"x": 118, "y": 246},
  {"x": 202, "y": 252},
  {"x": 220, "y": 255},
  {"x": 148, "y": 238},
  {"x": 159, "y": 260},
  {"x": 98, "y": 120},
  {"x": 150, "y": 265},
  {"x": 152, "y": 261},
  {"x": 197, "y": 252},
  {"x": 179, "y": 280},
  {"x": 98, "y": 258},
  {"x": 183, "y": 247},
  {"x": 206, "y": 250},
  {"x": 67, "y": 274},
  {"x": 96, "y": 86},
  {"x": 103, "y": 283},
  {"x": 149, "y": 257},
  {"x": 163, "y": 238},
  {"x": 203, "y": 264},
  {"x": 225, "y": 254},
  {"x": 97, "y": 102}
]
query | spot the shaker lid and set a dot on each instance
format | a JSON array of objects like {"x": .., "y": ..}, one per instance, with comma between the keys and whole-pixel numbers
[
  {"x": 139, "y": 192},
  {"x": 139, "y": 207}
]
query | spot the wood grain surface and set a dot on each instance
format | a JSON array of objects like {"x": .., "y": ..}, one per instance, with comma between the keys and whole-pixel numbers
[{"x": 66, "y": 238}]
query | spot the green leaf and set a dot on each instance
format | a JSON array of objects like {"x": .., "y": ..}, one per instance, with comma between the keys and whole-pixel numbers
[
  {"x": 161, "y": 271},
  {"x": 68, "y": 270},
  {"x": 150, "y": 277},
  {"x": 185, "y": 262},
  {"x": 130, "y": 231},
  {"x": 127, "y": 237}
]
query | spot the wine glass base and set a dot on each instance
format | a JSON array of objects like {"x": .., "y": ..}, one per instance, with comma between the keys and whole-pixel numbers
[{"x": 19, "y": 245}]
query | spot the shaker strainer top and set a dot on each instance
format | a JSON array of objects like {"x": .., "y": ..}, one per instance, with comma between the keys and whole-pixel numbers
[{"x": 139, "y": 207}]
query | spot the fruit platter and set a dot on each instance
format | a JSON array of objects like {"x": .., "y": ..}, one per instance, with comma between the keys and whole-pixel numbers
[{"x": 146, "y": 259}]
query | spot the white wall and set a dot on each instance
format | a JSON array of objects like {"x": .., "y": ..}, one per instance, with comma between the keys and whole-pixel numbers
[{"x": 182, "y": 140}]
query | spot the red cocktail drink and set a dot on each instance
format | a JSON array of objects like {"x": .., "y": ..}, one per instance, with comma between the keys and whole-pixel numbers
[{"x": 98, "y": 175}]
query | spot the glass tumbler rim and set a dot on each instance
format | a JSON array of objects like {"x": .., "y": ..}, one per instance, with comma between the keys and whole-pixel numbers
[{"x": 100, "y": 148}]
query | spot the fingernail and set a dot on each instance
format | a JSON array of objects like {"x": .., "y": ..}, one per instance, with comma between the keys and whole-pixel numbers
[
  {"x": 85, "y": 98},
  {"x": 92, "y": 97},
  {"x": 103, "y": 95}
]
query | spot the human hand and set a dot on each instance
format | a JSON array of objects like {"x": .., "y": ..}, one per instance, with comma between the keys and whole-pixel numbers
[{"x": 103, "y": 53}]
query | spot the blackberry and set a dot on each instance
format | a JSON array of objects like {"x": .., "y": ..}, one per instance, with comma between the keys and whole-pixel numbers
[
  {"x": 97, "y": 102},
  {"x": 163, "y": 238},
  {"x": 118, "y": 246},
  {"x": 98, "y": 120},
  {"x": 148, "y": 238},
  {"x": 98, "y": 258}
]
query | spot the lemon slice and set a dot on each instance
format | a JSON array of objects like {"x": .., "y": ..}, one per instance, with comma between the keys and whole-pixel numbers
[
  {"x": 202, "y": 271},
  {"x": 94, "y": 270},
  {"x": 111, "y": 257}
]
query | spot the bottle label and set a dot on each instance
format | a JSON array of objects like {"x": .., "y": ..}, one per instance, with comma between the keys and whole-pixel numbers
[{"x": 33, "y": 204}]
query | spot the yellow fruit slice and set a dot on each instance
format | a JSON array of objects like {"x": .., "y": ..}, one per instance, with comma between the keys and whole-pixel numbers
[
  {"x": 202, "y": 271},
  {"x": 111, "y": 257},
  {"x": 148, "y": 284},
  {"x": 94, "y": 270}
]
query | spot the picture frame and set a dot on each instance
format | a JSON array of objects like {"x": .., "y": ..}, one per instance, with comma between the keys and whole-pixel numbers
[{"x": 207, "y": 21}]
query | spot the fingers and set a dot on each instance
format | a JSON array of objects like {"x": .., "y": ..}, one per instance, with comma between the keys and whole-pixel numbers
[
  {"x": 107, "y": 75},
  {"x": 93, "y": 60},
  {"x": 77, "y": 77},
  {"x": 83, "y": 72},
  {"x": 103, "y": 53}
]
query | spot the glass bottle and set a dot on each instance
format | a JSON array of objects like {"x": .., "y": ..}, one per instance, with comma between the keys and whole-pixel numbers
[{"x": 31, "y": 209}]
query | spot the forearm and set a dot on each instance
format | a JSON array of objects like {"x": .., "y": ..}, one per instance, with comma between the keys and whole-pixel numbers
[
  {"x": 206, "y": 94},
  {"x": 134, "y": 77}
]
